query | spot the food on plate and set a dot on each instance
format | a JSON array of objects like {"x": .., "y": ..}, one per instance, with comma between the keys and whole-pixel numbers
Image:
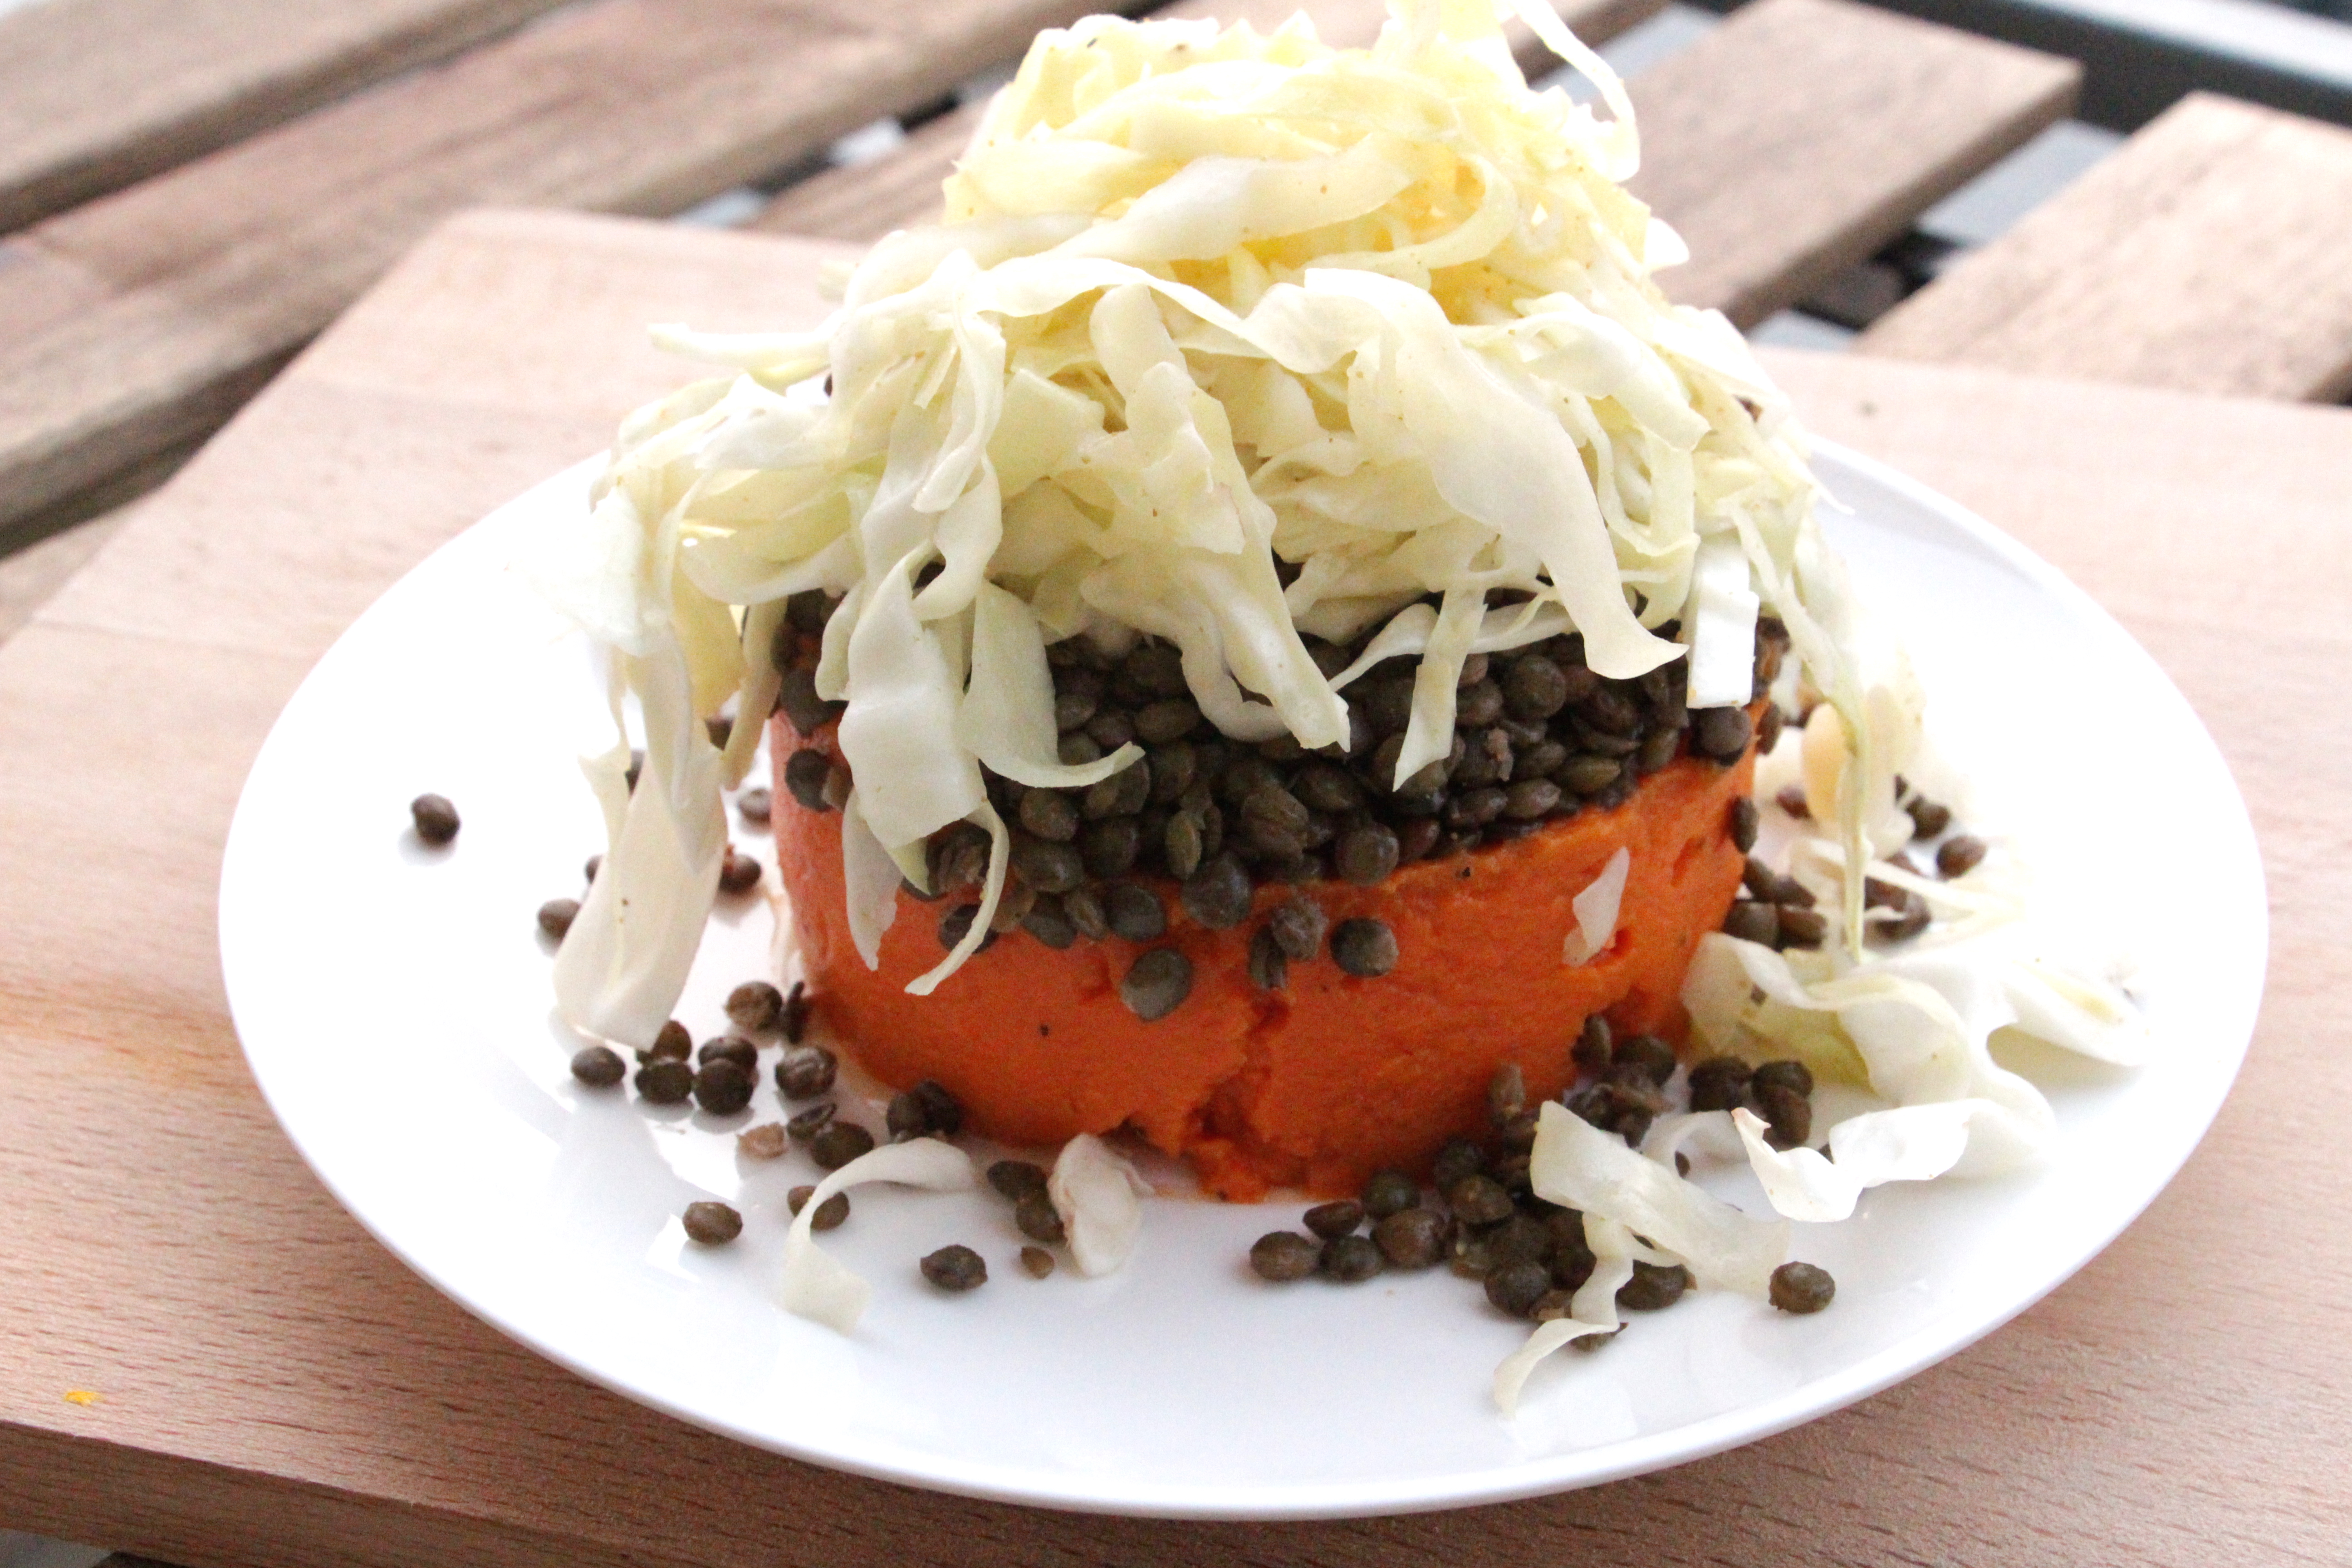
[{"x": 1272, "y": 631}]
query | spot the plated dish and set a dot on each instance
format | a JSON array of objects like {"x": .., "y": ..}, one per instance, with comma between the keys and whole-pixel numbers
[{"x": 553, "y": 1212}]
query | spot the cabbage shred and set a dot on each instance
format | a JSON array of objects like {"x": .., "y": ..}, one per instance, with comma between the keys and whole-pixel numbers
[{"x": 1227, "y": 339}]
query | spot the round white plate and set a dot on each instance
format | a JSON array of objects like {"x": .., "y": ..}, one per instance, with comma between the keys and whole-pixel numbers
[{"x": 1182, "y": 1385}]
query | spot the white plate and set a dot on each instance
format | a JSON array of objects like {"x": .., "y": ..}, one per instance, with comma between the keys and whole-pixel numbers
[{"x": 394, "y": 1003}]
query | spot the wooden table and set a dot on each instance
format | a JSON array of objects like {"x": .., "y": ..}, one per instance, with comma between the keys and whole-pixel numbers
[{"x": 275, "y": 1389}]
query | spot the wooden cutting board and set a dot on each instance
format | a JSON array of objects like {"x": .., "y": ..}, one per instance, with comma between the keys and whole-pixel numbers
[{"x": 273, "y": 1388}]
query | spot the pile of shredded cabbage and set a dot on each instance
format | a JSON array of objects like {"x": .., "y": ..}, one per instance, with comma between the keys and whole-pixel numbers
[{"x": 1205, "y": 300}]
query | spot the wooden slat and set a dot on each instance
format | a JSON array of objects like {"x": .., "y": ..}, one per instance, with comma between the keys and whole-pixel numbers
[
  {"x": 1801, "y": 135},
  {"x": 2211, "y": 253},
  {"x": 280, "y": 1392},
  {"x": 142, "y": 319},
  {"x": 867, "y": 201},
  {"x": 95, "y": 94}
]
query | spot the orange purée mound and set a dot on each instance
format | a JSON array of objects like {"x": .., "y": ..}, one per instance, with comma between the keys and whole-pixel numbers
[{"x": 1315, "y": 1086}]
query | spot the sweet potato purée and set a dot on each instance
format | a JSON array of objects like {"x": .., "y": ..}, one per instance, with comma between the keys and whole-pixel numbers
[{"x": 1315, "y": 1086}]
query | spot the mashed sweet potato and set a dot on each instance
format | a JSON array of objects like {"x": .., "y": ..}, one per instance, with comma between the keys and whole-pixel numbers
[{"x": 1318, "y": 1085}]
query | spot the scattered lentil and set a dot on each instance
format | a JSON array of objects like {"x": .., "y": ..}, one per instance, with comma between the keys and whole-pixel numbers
[
  {"x": 1157, "y": 984},
  {"x": 1960, "y": 855},
  {"x": 1790, "y": 1113},
  {"x": 1364, "y": 947},
  {"x": 955, "y": 1267},
  {"x": 755, "y": 1007},
  {"x": 1593, "y": 1050},
  {"x": 738, "y": 873},
  {"x": 1745, "y": 821},
  {"x": 1507, "y": 1094},
  {"x": 1350, "y": 1260},
  {"x": 1341, "y": 1217},
  {"x": 598, "y": 1066},
  {"x": 1411, "y": 1237},
  {"x": 672, "y": 1043},
  {"x": 1036, "y": 1262},
  {"x": 805, "y": 772},
  {"x": 1516, "y": 1288},
  {"x": 1283, "y": 1256},
  {"x": 1218, "y": 894},
  {"x": 829, "y": 1213},
  {"x": 1720, "y": 1083},
  {"x": 556, "y": 915},
  {"x": 806, "y": 1124},
  {"x": 730, "y": 1048},
  {"x": 1016, "y": 1179},
  {"x": 837, "y": 1142},
  {"x": 1801, "y": 1288},
  {"x": 435, "y": 819},
  {"x": 1479, "y": 1200},
  {"x": 925, "y": 1111},
  {"x": 805, "y": 1072},
  {"x": 1388, "y": 1191},
  {"x": 756, "y": 805},
  {"x": 722, "y": 1088},
  {"x": 1653, "y": 1287},
  {"x": 665, "y": 1081},
  {"x": 1037, "y": 1217},
  {"x": 1649, "y": 1055},
  {"x": 1459, "y": 1157},
  {"x": 1791, "y": 800},
  {"x": 1930, "y": 819},
  {"x": 712, "y": 1224},
  {"x": 1134, "y": 913},
  {"x": 765, "y": 1142},
  {"x": 1788, "y": 1072}
]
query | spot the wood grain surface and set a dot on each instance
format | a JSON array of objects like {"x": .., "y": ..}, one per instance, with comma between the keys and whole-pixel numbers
[
  {"x": 97, "y": 93},
  {"x": 1801, "y": 135},
  {"x": 2212, "y": 253},
  {"x": 141, "y": 321},
  {"x": 278, "y": 1392},
  {"x": 867, "y": 201}
]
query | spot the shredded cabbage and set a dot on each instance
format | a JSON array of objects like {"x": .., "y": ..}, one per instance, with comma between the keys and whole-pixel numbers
[
  {"x": 818, "y": 1286},
  {"x": 1098, "y": 1194},
  {"x": 1230, "y": 339},
  {"x": 1597, "y": 908}
]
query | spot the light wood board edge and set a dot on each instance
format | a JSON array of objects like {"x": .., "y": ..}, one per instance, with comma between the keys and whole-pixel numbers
[
  {"x": 96, "y": 94},
  {"x": 2213, "y": 252}
]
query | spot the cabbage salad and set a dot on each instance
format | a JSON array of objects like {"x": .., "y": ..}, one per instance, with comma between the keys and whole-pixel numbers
[{"x": 1230, "y": 339}]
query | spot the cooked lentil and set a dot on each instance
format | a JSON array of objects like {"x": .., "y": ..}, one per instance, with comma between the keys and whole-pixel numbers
[
  {"x": 1478, "y": 1200},
  {"x": 1459, "y": 1157},
  {"x": 1388, "y": 1191},
  {"x": 1801, "y": 1288},
  {"x": 1790, "y": 1113},
  {"x": 1363, "y": 947},
  {"x": 730, "y": 1048},
  {"x": 805, "y": 1072},
  {"x": 1268, "y": 969},
  {"x": 1791, "y": 800},
  {"x": 1411, "y": 1237},
  {"x": 1646, "y": 1054},
  {"x": 1338, "y": 1218},
  {"x": 1802, "y": 927},
  {"x": 1037, "y": 1217},
  {"x": 672, "y": 1043},
  {"x": 712, "y": 1224},
  {"x": 1134, "y": 913},
  {"x": 1350, "y": 1260},
  {"x": 837, "y": 1142},
  {"x": 1594, "y": 1048},
  {"x": 1516, "y": 1288},
  {"x": 756, "y": 805},
  {"x": 1507, "y": 1094},
  {"x": 955, "y": 1267},
  {"x": 1016, "y": 1179},
  {"x": 598, "y": 1066},
  {"x": 1653, "y": 1287},
  {"x": 925, "y": 1111},
  {"x": 435, "y": 819},
  {"x": 1284, "y": 1256},
  {"x": 738, "y": 873},
  {"x": 556, "y": 915},
  {"x": 1930, "y": 819},
  {"x": 665, "y": 1081},
  {"x": 1720, "y": 1083},
  {"x": 722, "y": 1088},
  {"x": 804, "y": 773},
  {"x": 1036, "y": 1262},
  {"x": 829, "y": 1213},
  {"x": 755, "y": 1007},
  {"x": 1157, "y": 984},
  {"x": 1960, "y": 855},
  {"x": 1788, "y": 1072}
]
